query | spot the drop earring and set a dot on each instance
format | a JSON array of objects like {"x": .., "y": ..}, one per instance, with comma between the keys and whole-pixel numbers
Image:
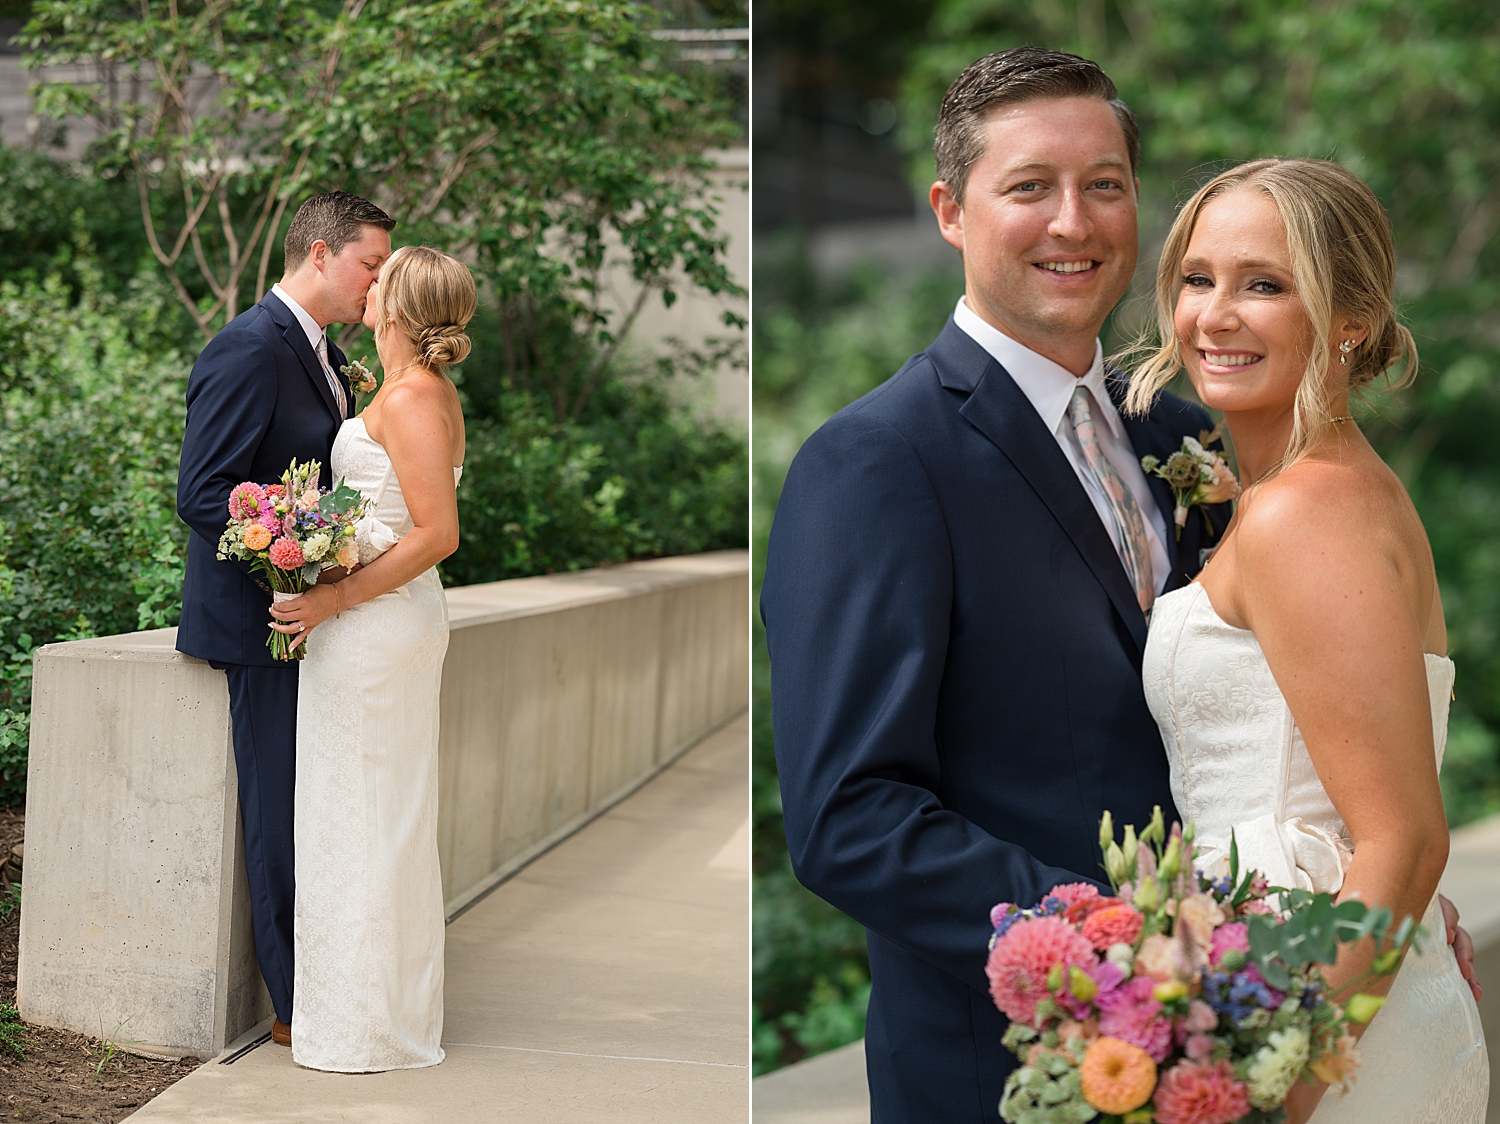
[{"x": 1344, "y": 349}]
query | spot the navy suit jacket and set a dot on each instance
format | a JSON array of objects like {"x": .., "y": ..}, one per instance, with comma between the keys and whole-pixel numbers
[
  {"x": 956, "y": 654},
  {"x": 257, "y": 398}
]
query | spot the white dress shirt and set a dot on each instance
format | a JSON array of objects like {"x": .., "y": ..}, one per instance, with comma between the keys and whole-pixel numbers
[
  {"x": 317, "y": 336},
  {"x": 1049, "y": 388}
]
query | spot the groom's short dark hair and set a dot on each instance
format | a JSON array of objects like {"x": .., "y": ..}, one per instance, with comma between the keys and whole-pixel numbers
[
  {"x": 334, "y": 218},
  {"x": 1007, "y": 78}
]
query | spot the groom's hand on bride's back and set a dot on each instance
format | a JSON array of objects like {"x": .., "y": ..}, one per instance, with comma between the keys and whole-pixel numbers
[{"x": 1463, "y": 946}]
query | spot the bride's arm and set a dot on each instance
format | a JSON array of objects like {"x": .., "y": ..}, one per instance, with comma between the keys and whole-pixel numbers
[
  {"x": 1320, "y": 585},
  {"x": 415, "y": 431}
]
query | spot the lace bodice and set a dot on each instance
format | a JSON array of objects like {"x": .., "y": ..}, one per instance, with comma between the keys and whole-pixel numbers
[
  {"x": 1237, "y": 759},
  {"x": 362, "y": 462}
]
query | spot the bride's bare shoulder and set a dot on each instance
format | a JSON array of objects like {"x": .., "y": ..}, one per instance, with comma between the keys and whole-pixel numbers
[{"x": 1318, "y": 504}]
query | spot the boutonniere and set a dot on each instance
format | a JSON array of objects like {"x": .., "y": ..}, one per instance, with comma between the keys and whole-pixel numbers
[
  {"x": 1197, "y": 476},
  {"x": 358, "y": 375}
]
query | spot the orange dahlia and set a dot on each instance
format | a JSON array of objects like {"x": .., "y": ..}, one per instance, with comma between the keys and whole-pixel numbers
[{"x": 1117, "y": 1077}]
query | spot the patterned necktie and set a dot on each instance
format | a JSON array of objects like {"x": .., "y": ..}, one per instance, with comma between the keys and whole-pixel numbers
[
  {"x": 1134, "y": 549},
  {"x": 338, "y": 390}
]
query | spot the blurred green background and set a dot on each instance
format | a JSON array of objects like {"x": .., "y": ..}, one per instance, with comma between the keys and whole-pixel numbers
[{"x": 850, "y": 279}]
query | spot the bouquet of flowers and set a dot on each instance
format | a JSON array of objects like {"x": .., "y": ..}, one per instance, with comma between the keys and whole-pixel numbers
[
  {"x": 1181, "y": 999},
  {"x": 1197, "y": 476},
  {"x": 291, "y": 532}
]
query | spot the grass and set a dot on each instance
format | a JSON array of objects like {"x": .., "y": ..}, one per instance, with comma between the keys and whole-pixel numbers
[{"x": 109, "y": 1044}]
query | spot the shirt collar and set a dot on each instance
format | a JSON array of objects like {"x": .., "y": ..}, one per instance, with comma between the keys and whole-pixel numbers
[
  {"x": 1046, "y": 385},
  {"x": 313, "y": 329}
]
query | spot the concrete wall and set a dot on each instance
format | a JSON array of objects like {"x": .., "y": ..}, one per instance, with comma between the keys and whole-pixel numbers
[{"x": 560, "y": 695}]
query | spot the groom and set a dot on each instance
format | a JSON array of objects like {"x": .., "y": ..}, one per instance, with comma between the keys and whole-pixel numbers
[
  {"x": 958, "y": 580},
  {"x": 267, "y": 390}
]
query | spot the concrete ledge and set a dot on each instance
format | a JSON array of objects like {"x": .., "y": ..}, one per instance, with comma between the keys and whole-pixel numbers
[
  {"x": 828, "y": 1089},
  {"x": 560, "y": 695}
]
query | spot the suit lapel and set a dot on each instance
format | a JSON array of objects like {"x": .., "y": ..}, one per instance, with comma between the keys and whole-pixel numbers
[
  {"x": 296, "y": 338},
  {"x": 999, "y": 410}
]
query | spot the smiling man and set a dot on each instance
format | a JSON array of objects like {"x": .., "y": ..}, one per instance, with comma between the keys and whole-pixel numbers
[{"x": 959, "y": 580}]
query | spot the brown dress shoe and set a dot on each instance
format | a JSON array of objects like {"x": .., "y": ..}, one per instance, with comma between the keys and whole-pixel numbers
[{"x": 281, "y": 1033}]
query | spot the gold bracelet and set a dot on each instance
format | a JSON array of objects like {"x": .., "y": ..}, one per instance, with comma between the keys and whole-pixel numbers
[{"x": 337, "y": 610}]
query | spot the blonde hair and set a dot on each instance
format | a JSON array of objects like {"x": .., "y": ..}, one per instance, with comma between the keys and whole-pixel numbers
[
  {"x": 1343, "y": 265},
  {"x": 431, "y": 299}
]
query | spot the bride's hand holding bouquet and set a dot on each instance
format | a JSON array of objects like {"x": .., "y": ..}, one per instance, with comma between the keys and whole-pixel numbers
[{"x": 293, "y": 532}]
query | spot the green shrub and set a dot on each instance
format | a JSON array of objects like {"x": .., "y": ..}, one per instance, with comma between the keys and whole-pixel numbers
[
  {"x": 45, "y": 206},
  {"x": 90, "y": 428},
  {"x": 638, "y": 477}
]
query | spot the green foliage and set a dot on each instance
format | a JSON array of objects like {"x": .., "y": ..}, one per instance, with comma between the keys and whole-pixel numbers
[
  {"x": 12, "y": 1030},
  {"x": 542, "y": 139},
  {"x": 639, "y": 476},
  {"x": 90, "y": 427},
  {"x": 44, "y": 209},
  {"x": 1313, "y": 930}
]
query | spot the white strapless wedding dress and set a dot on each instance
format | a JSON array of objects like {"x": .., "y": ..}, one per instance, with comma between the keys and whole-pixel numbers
[
  {"x": 368, "y": 968},
  {"x": 1238, "y": 762}
]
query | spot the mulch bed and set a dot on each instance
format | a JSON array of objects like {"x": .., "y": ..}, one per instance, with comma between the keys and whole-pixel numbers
[{"x": 57, "y": 1079}]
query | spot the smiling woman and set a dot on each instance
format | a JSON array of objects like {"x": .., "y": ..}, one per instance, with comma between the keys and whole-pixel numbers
[{"x": 1278, "y": 273}]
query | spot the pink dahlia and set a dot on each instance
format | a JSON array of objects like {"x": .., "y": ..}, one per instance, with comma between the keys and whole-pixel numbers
[
  {"x": 1233, "y": 937},
  {"x": 1019, "y": 963},
  {"x": 1115, "y": 924},
  {"x": 270, "y": 521},
  {"x": 1072, "y": 893},
  {"x": 246, "y": 501},
  {"x": 1200, "y": 1093},
  {"x": 285, "y": 554},
  {"x": 1132, "y": 1014}
]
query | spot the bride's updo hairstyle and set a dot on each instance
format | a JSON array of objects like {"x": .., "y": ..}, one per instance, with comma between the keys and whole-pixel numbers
[
  {"x": 431, "y": 299},
  {"x": 1343, "y": 265}
]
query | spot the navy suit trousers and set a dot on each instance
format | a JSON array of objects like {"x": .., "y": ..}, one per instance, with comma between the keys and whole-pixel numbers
[{"x": 263, "y": 709}]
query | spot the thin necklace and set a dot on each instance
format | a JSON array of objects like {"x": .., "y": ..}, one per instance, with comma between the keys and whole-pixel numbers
[
  {"x": 391, "y": 375},
  {"x": 1267, "y": 472}
]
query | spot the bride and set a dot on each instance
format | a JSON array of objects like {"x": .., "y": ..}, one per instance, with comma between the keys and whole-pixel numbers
[
  {"x": 1301, "y": 684},
  {"x": 368, "y": 924}
]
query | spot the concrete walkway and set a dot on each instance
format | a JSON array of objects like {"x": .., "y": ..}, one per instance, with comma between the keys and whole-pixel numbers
[{"x": 607, "y": 981}]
